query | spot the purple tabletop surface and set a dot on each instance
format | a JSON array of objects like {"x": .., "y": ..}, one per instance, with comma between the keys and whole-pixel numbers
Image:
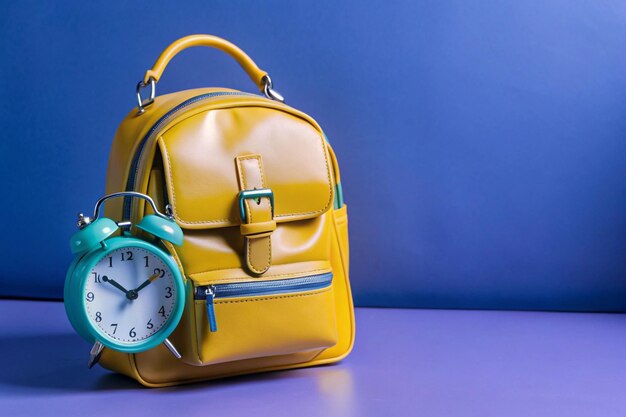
[{"x": 405, "y": 363}]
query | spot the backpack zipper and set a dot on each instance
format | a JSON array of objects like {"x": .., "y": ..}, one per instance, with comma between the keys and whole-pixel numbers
[
  {"x": 209, "y": 293},
  {"x": 132, "y": 174}
]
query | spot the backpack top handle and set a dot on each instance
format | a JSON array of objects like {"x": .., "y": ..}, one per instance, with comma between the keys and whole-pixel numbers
[{"x": 257, "y": 75}]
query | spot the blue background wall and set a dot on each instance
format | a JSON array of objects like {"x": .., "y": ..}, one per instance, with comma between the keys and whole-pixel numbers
[{"x": 482, "y": 144}]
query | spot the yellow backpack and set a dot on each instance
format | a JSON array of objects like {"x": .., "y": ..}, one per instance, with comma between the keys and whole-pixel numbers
[{"x": 255, "y": 187}]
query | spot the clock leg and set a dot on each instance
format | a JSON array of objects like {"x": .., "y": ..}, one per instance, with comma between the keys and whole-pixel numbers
[
  {"x": 95, "y": 353},
  {"x": 171, "y": 348}
]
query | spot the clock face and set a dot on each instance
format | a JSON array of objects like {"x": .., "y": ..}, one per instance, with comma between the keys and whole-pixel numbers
[{"x": 130, "y": 294}]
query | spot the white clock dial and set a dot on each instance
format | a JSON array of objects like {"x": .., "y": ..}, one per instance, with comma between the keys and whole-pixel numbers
[{"x": 130, "y": 294}]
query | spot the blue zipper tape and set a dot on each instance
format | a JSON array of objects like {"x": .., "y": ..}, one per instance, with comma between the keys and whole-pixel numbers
[{"x": 257, "y": 288}]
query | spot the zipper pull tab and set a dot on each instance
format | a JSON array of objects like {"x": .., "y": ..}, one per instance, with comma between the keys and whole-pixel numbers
[{"x": 210, "y": 310}]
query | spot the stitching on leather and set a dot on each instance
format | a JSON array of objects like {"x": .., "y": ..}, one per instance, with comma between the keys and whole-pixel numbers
[
  {"x": 269, "y": 239},
  {"x": 242, "y": 180},
  {"x": 269, "y": 251},
  {"x": 242, "y": 278},
  {"x": 244, "y": 184},
  {"x": 171, "y": 186},
  {"x": 169, "y": 170},
  {"x": 252, "y": 300},
  {"x": 249, "y": 258}
]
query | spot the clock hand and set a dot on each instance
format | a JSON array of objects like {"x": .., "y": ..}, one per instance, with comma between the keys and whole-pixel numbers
[
  {"x": 147, "y": 282},
  {"x": 115, "y": 284}
]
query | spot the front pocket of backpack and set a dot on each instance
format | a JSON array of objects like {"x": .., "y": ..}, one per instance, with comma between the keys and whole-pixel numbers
[{"x": 244, "y": 320}]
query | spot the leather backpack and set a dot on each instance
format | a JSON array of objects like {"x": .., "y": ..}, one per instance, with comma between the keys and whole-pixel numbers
[{"x": 255, "y": 186}]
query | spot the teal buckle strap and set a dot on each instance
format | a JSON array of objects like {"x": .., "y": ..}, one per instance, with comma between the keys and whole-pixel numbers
[{"x": 256, "y": 194}]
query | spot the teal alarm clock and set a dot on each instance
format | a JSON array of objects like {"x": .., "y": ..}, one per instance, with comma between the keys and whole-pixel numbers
[{"x": 124, "y": 292}]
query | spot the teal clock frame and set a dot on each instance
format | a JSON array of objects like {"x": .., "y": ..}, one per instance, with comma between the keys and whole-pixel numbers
[{"x": 77, "y": 277}]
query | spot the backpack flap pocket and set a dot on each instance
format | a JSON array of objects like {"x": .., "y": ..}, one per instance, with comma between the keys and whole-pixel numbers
[{"x": 211, "y": 157}]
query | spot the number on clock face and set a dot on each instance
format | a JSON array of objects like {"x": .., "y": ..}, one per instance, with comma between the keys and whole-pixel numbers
[{"x": 130, "y": 294}]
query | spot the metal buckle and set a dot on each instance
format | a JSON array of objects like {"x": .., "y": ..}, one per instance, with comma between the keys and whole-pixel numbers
[{"x": 254, "y": 194}]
